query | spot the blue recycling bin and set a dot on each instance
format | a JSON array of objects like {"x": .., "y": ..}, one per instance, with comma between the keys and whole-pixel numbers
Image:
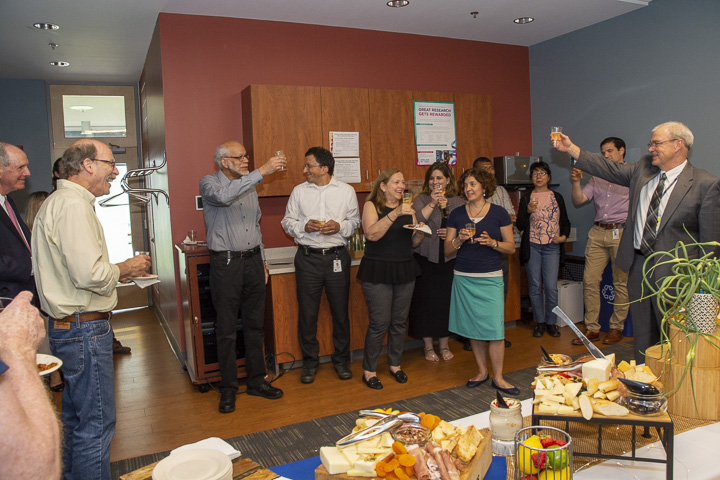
[{"x": 607, "y": 296}]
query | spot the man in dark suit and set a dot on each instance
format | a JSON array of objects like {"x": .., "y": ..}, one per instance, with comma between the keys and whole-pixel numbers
[
  {"x": 16, "y": 273},
  {"x": 670, "y": 201}
]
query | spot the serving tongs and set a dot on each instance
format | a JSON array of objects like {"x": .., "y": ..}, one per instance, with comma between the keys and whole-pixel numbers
[
  {"x": 383, "y": 425},
  {"x": 406, "y": 417}
]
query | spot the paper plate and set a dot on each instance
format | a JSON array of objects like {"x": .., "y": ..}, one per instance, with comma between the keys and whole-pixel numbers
[
  {"x": 148, "y": 277},
  {"x": 196, "y": 464},
  {"x": 44, "y": 359}
]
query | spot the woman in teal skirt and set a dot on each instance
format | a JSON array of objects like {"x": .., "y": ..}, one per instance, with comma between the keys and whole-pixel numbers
[{"x": 480, "y": 233}]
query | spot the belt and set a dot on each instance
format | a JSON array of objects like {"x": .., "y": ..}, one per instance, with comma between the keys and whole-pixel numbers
[
  {"x": 83, "y": 317},
  {"x": 322, "y": 251},
  {"x": 241, "y": 254},
  {"x": 609, "y": 226}
]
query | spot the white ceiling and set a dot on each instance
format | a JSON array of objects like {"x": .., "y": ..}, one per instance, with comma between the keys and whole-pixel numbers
[{"x": 107, "y": 40}]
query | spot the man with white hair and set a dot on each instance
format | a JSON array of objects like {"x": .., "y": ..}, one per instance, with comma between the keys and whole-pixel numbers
[{"x": 670, "y": 201}]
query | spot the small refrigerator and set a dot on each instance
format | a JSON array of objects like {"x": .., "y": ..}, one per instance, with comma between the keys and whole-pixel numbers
[{"x": 570, "y": 301}]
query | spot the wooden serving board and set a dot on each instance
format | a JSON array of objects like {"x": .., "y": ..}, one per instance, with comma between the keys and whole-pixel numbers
[
  {"x": 243, "y": 469},
  {"x": 475, "y": 470}
]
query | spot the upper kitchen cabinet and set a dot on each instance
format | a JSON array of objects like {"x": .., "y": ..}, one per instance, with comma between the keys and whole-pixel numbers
[{"x": 278, "y": 117}]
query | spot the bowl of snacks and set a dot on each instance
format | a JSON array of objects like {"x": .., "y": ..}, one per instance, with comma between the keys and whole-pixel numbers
[
  {"x": 412, "y": 434},
  {"x": 646, "y": 404}
]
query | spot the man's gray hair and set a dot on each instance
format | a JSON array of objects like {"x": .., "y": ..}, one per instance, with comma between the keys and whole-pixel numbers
[
  {"x": 73, "y": 158},
  {"x": 220, "y": 152},
  {"x": 678, "y": 130},
  {"x": 4, "y": 156}
]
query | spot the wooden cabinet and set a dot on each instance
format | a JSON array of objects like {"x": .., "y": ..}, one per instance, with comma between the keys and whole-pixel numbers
[
  {"x": 296, "y": 118},
  {"x": 199, "y": 318},
  {"x": 278, "y": 117},
  {"x": 281, "y": 312}
]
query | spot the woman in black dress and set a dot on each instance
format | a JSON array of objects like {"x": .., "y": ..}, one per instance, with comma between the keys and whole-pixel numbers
[
  {"x": 387, "y": 272},
  {"x": 431, "y": 299}
]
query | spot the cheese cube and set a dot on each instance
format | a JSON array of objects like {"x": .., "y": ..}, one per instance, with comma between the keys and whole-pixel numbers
[
  {"x": 333, "y": 460},
  {"x": 365, "y": 465},
  {"x": 597, "y": 368}
]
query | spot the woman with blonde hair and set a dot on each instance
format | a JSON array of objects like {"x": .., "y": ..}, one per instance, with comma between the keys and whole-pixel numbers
[
  {"x": 35, "y": 201},
  {"x": 387, "y": 272}
]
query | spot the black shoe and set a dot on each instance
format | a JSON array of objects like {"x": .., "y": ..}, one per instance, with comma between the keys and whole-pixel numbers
[
  {"x": 400, "y": 376},
  {"x": 553, "y": 330},
  {"x": 119, "y": 348},
  {"x": 227, "y": 401},
  {"x": 373, "y": 382},
  {"x": 265, "y": 390},
  {"x": 308, "y": 374},
  {"x": 467, "y": 346},
  {"x": 508, "y": 344},
  {"x": 513, "y": 391},
  {"x": 343, "y": 371},
  {"x": 539, "y": 330},
  {"x": 473, "y": 384}
]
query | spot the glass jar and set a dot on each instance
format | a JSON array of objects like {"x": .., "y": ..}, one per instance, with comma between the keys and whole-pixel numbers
[
  {"x": 646, "y": 405},
  {"x": 505, "y": 422},
  {"x": 412, "y": 434}
]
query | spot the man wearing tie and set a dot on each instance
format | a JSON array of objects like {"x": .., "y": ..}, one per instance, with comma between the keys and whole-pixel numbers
[
  {"x": 670, "y": 201},
  {"x": 16, "y": 273}
]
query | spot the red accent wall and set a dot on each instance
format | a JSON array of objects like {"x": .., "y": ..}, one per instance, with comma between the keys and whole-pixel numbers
[{"x": 208, "y": 61}]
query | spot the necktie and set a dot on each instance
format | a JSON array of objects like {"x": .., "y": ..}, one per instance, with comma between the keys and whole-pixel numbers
[{"x": 651, "y": 220}]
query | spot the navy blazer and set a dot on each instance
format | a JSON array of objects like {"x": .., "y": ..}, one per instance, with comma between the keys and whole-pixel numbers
[{"x": 15, "y": 259}]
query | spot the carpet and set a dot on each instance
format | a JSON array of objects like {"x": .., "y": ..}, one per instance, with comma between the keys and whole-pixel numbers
[{"x": 302, "y": 440}]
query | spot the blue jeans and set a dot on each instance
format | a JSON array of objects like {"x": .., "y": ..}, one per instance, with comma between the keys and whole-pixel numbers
[
  {"x": 88, "y": 402},
  {"x": 542, "y": 271}
]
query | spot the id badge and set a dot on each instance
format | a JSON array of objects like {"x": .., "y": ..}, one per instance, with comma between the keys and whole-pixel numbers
[
  {"x": 337, "y": 265},
  {"x": 616, "y": 233}
]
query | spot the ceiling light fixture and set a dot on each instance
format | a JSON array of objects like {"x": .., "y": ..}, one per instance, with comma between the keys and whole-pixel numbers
[
  {"x": 523, "y": 20},
  {"x": 398, "y": 3},
  {"x": 82, "y": 108},
  {"x": 60, "y": 64},
  {"x": 46, "y": 26}
]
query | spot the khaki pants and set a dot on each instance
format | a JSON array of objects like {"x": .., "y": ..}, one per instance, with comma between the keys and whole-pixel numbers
[{"x": 601, "y": 248}]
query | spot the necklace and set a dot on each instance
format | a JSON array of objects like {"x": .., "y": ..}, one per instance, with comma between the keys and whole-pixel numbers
[{"x": 477, "y": 215}]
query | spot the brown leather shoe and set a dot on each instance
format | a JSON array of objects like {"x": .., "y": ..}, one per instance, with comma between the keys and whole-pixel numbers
[
  {"x": 592, "y": 336},
  {"x": 613, "y": 336}
]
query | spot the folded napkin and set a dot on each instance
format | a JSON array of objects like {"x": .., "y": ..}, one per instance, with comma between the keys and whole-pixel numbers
[
  {"x": 187, "y": 241},
  {"x": 213, "y": 443},
  {"x": 144, "y": 282}
]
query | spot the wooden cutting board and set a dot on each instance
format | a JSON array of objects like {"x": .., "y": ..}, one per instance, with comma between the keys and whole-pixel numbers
[{"x": 475, "y": 470}]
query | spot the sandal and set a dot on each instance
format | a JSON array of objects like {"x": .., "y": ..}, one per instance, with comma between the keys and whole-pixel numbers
[
  {"x": 446, "y": 354},
  {"x": 430, "y": 355}
]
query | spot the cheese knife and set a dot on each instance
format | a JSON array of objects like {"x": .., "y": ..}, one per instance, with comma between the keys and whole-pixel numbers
[{"x": 594, "y": 351}]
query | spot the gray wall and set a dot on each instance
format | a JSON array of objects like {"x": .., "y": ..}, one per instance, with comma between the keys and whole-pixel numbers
[
  {"x": 24, "y": 121},
  {"x": 624, "y": 76}
]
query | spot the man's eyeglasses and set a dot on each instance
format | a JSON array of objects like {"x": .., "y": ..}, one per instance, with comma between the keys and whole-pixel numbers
[
  {"x": 112, "y": 163},
  {"x": 657, "y": 144},
  {"x": 240, "y": 157},
  {"x": 308, "y": 166},
  {"x": 538, "y": 174}
]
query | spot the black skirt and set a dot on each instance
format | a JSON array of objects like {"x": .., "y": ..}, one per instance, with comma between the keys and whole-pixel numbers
[{"x": 430, "y": 308}]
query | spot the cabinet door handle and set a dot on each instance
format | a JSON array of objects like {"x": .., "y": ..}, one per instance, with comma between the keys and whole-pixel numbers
[
  {"x": 196, "y": 321},
  {"x": 367, "y": 175}
]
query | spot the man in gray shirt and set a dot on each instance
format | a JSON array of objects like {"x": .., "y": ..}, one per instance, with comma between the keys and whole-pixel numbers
[{"x": 237, "y": 271}]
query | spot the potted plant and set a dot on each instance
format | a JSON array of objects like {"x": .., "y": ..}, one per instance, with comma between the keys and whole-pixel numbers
[{"x": 688, "y": 297}]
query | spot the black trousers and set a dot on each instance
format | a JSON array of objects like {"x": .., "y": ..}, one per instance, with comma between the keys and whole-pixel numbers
[
  {"x": 238, "y": 290},
  {"x": 646, "y": 316},
  {"x": 313, "y": 272}
]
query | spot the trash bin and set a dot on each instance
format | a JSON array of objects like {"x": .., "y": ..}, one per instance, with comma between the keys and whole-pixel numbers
[{"x": 607, "y": 297}]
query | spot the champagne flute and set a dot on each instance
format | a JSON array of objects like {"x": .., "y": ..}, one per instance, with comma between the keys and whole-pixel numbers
[{"x": 470, "y": 227}]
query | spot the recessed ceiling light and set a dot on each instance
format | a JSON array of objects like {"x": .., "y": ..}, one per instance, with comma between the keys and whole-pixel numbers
[
  {"x": 60, "y": 64},
  {"x": 46, "y": 26},
  {"x": 523, "y": 20},
  {"x": 397, "y": 3}
]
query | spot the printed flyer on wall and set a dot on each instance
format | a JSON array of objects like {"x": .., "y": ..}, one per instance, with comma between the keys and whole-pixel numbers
[{"x": 435, "y": 133}]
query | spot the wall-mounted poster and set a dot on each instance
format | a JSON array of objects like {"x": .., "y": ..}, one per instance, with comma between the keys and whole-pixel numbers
[
  {"x": 435, "y": 133},
  {"x": 345, "y": 147}
]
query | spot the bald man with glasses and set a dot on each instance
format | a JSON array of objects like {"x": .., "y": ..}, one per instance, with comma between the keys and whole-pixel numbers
[{"x": 670, "y": 201}]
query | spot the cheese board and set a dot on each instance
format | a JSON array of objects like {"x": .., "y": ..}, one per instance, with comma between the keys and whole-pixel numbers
[{"x": 475, "y": 470}]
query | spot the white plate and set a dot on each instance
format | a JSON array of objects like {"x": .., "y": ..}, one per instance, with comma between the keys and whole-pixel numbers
[
  {"x": 45, "y": 359},
  {"x": 196, "y": 464}
]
